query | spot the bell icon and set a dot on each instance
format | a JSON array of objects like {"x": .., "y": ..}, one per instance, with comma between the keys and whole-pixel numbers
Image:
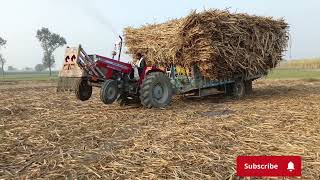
[{"x": 290, "y": 166}]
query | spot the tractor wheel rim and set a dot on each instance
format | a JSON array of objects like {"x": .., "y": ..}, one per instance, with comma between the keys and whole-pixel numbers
[
  {"x": 111, "y": 93},
  {"x": 158, "y": 92}
]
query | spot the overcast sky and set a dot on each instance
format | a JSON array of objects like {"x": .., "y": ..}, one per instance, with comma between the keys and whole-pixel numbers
[{"x": 96, "y": 23}]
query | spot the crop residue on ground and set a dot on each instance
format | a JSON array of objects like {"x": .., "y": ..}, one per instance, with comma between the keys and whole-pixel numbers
[{"x": 50, "y": 135}]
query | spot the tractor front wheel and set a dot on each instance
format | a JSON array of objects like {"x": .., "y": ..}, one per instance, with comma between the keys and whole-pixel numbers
[
  {"x": 109, "y": 92},
  {"x": 83, "y": 90},
  {"x": 156, "y": 90}
]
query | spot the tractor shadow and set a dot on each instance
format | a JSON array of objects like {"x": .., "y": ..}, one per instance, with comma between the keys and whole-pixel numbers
[
  {"x": 259, "y": 93},
  {"x": 264, "y": 92}
]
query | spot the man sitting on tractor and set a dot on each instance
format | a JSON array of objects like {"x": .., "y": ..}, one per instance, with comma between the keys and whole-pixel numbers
[{"x": 139, "y": 66}]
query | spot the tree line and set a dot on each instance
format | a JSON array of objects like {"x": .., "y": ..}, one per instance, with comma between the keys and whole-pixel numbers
[{"x": 49, "y": 42}]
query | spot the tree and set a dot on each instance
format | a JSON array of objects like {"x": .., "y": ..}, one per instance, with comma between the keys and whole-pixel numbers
[
  {"x": 28, "y": 69},
  {"x": 2, "y": 62},
  {"x": 3, "y": 42},
  {"x": 11, "y": 68},
  {"x": 49, "y": 43},
  {"x": 39, "y": 67}
]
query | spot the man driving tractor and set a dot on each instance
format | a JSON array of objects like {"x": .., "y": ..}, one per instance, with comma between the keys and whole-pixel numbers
[{"x": 139, "y": 66}]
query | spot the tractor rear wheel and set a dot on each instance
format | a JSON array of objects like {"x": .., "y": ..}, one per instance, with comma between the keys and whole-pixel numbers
[
  {"x": 239, "y": 89},
  {"x": 156, "y": 90},
  {"x": 109, "y": 92},
  {"x": 83, "y": 90}
]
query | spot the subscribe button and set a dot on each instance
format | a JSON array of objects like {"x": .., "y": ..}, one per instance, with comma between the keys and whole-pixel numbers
[{"x": 269, "y": 166}]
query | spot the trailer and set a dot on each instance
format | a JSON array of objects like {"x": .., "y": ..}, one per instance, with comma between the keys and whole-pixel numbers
[
  {"x": 197, "y": 85},
  {"x": 155, "y": 88}
]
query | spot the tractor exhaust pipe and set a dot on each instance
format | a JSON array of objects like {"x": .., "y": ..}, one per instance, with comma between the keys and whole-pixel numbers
[{"x": 120, "y": 48}]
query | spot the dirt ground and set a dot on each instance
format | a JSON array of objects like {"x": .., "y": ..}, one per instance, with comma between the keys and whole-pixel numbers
[{"x": 52, "y": 136}]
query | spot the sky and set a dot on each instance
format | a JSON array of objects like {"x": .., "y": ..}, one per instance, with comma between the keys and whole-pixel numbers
[{"x": 96, "y": 24}]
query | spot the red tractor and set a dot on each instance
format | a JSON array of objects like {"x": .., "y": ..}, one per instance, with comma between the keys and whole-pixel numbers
[
  {"x": 155, "y": 88},
  {"x": 115, "y": 78}
]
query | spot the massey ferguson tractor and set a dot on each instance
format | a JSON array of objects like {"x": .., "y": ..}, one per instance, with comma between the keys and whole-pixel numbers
[{"x": 157, "y": 85}]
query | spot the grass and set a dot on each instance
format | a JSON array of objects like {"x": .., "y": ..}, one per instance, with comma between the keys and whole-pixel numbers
[
  {"x": 29, "y": 76},
  {"x": 294, "y": 74},
  {"x": 302, "y": 64},
  {"x": 280, "y": 73}
]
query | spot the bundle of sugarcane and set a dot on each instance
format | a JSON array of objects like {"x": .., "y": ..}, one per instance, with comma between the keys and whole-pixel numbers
[{"x": 221, "y": 43}]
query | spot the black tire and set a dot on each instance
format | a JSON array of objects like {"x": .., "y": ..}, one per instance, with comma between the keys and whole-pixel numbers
[
  {"x": 83, "y": 90},
  {"x": 109, "y": 92},
  {"x": 248, "y": 86},
  {"x": 239, "y": 90},
  {"x": 156, "y": 90}
]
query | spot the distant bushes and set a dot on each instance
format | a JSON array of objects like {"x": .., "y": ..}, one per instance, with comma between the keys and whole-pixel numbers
[{"x": 302, "y": 64}]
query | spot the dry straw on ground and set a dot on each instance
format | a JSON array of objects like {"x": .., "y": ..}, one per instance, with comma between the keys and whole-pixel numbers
[
  {"x": 223, "y": 44},
  {"x": 44, "y": 135}
]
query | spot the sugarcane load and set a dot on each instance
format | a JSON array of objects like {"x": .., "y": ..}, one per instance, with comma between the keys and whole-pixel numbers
[
  {"x": 202, "y": 54},
  {"x": 222, "y": 44}
]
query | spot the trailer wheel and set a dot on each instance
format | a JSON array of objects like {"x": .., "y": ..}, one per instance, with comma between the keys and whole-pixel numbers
[
  {"x": 156, "y": 90},
  {"x": 229, "y": 89},
  {"x": 109, "y": 92},
  {"x": 248, "y": 87},
  {"x": 239, "y": 89},
  {"x": 83, "y": 90}
]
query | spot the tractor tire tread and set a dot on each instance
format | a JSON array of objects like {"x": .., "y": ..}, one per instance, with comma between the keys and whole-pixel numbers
[
  {"x": 146, "y": 88},
  {"x": 81, "y": 86},
  {"x": 102, "y": 92}
]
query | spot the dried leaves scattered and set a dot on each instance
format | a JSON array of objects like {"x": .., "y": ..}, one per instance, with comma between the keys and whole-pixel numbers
[
  {"x": 223, "y": 44},
  {"x": 53, "y": 136}
]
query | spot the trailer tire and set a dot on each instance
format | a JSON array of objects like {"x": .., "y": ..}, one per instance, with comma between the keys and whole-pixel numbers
[
  {"x": 109, "y": 92},
  {"x": 248, "y": 86},
  {"x": 229, "y": 89},
  {"x": 83, "y": 90},
  {"x": 239, "y": 89},
  {"x": 156, "y": 90}
]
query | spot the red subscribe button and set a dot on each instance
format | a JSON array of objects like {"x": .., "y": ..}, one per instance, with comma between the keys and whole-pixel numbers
[{"x": 269, "y": 166}]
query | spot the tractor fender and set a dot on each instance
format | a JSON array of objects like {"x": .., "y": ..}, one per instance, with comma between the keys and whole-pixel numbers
[
  {"x": 153, "y": 69},
  {"x": 149, "y": 70}
]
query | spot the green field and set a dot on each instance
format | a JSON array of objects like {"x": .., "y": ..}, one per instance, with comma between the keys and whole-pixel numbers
[
  {"x": 294, "y": 74},
  {"x": 274, "y": 74},
  {"x": 28, "y": 76},
  {"x": 301, "y": 64}
]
